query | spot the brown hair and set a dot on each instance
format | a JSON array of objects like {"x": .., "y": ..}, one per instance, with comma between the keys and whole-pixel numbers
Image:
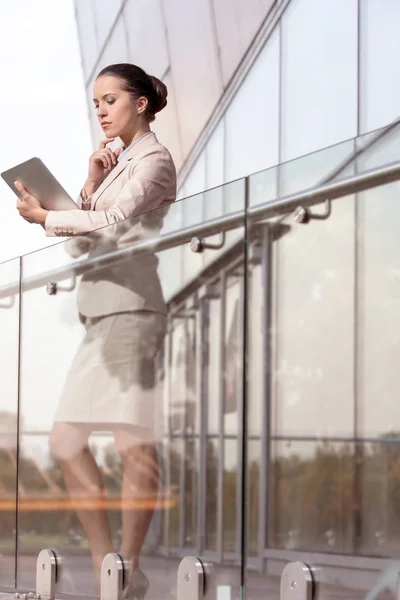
[{"x": 138, "y": 83}]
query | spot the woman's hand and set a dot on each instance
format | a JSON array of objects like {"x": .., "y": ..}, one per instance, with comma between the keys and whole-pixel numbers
[
  {"x": 29, "y": 207},
  {"x": 101, "y": 162}
]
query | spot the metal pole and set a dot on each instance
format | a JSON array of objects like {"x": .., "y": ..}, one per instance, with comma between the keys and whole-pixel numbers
[{"x": 317, "y": 195}]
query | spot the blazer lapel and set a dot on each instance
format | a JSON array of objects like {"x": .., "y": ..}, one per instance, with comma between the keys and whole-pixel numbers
[{"x": 119, "y": 167}]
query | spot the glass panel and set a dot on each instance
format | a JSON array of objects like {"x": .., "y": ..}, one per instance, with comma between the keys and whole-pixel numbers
[
  {"x": 214, "y": 360},
  {"x": 249, "y": 149},
  {"x": 253, "y": 513},
  {"x": 316, "y": 67},
  {"x": 89, "y": 44},
  {"x": 232, "y": 350},
  {"x": 231, "y": 490},
  {"x": 322, "y": 418},
  {"x": 9, "y": 349},
  {"x": 166, "y": 125},
  {"x": 105, "y": 14},
  {"x": 379, "y": 296},
  {"x": 215, "y": 171},
  {"x": 379, "y": 83},
  {"x": 213, "y": 457},
  {"x": 116, "y": 49},
  {"x": 191, "y": 492},
  {"x": 120, "y": 454},
  {"x": 378, "y": 148},
  {"x": 329, "y": 164},
  {"x": 195, "y": 70},
  {"x": 323, "y": 471},
  {"x": 195, "y": 182},
  {"x": 314, "y": 292},
  {"x": 317, "y": 168},
  {"x": 147, "y": 35}
]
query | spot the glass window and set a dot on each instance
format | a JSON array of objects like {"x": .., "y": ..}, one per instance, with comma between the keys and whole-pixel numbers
[
  {"x": 214, "y": 365},
  {"x": 191, "y": 491},
  {"x": 96, "y": 131},
  {"x": 215, "y": 151},
  {"x": 194, "y": 63},
  {"x": 253, "y": 145},
  {"x": 379, "y": 310},
  {"x": 233, "y": 354},
  {"x": 264, "y": 186},
  {"x": 236, "y": 24},
  {"x": 195, "y": 182},
  {"x": 313, "y": 324},
  {"x": 177, "y": 396},
  {"x": 379, "y": 76},
  {"x": 319, "y": 75},
  {"x": 379, "y": 297},
  {"x": 147, "y": 35},
  {"x": 193, "y": 206},
  {"x": 229, "y": 41},
  {"x": 116, "y": 50},
  {"x": 89, "y": 44},
  {"x": 323, "y": 471},
  {"x": 380, "y": 531},
  {"x": 230, "y": 495},
  {"x": 193, "y": 408},
  {"x": 212, "y": 456},
  {"x": 253, "y": 495},
  {"x": 105, "y": 14},
  {"x": 316, "y": 168},
  {"x": 215, "y": 175},
  {"x": 166, "y": 126},
  {"x": 257, "y": 340},
  {"x": 175, "y": 454},
  {"x": 9, "y": 346}
]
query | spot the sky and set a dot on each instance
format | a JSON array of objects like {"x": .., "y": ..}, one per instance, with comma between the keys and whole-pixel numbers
[
  {"x": 43, "y": 113},
  {"x": 43, "y": 108}
]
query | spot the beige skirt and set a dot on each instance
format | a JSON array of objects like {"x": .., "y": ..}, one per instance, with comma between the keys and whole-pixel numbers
[{"x": 112, "y": 380}]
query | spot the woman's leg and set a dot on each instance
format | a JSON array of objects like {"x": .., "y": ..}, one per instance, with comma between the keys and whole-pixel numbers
[
  {"x": 139, "y": 490},
  {"x": 69, "y": 445}
]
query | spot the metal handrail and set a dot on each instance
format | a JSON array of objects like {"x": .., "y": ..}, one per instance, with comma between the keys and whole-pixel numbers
[{"x": 268, "y": 210}]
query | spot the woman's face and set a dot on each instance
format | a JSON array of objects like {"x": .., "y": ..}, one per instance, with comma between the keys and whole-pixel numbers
[{"x": 117, "y": 112}]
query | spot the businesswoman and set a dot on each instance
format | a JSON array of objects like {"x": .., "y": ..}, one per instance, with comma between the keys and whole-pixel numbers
[{"x": 111, "y": 383}]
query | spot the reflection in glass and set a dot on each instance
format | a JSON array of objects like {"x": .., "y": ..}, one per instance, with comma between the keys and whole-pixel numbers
[
  {"x": 380, "y": 507},
  {"x": 191, "y": 491},
  {"x": 192, "y": 405},
  {"x": 114, "y": 384},
  {"x": 233, "y": 358},
  {"x": 313, "y": 326},
  {"x": 211, "y": 511},
  {"x": 230, "y": 494},
  {"x": 9, "y": 346},
  {"x": 257, "y": 339},
  {"x": 379, "y": 311},
  {"x": 315, "y": 66},
  {"x": 323, "y": 472},
  {"x": 214, "y": 365},
  {"x": 175, "y": 455},
  {"x": 252, "y": 496},
  {"x": 177, "y": 399}
]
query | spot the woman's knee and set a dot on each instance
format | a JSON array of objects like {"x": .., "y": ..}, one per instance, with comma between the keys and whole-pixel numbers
[
  {"x": 67, "y": 442},
  {"x": 134, "y": 441}
]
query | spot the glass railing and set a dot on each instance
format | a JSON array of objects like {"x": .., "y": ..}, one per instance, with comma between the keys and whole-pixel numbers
[{"x": 211, "y": 379}]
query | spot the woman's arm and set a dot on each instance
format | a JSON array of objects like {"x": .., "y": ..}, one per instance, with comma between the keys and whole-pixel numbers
[{"x": 148, "y": 187}]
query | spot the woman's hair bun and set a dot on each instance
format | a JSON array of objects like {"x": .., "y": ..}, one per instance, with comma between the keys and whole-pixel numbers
[{"x": 161, "y": 91}]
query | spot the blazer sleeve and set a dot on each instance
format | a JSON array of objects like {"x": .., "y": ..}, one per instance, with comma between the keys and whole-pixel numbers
[{"x": 147, "y": 188}]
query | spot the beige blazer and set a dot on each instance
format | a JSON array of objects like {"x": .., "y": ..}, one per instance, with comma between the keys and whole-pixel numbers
[{"x": 115, "y": 216}]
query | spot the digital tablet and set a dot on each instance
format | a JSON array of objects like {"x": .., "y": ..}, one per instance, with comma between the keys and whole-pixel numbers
[{"x": 41, "y": 183}]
